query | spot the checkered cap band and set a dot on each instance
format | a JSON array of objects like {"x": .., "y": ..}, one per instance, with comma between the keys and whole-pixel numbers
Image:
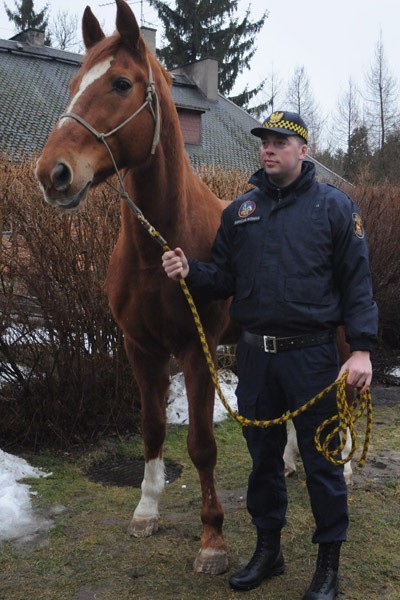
[{"x": 298, "y": 129}]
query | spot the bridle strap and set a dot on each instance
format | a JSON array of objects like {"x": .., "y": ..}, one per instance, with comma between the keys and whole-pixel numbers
[{"x": 151, "y": 98}]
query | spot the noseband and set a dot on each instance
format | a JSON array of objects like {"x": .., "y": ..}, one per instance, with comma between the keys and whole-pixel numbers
[{"x": 151, "y": 102}]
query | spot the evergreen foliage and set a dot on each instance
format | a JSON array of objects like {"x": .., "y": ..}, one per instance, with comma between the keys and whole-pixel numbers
[
  {"x": 197, "y": 29},
  {"x": 25, "y": 17},
  {"x": 358, "y": 155}
]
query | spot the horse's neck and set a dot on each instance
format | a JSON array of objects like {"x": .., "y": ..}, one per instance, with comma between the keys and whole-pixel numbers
[
  {"x": 161, "y": 185},
  {"x": 159, "y": 190},
  {"x": 168, "y": 193}
]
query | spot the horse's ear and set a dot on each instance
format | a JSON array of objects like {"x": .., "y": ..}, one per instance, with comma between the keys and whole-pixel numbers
[
  {"x": 127, "y": 25},
  {"x": 91, "y": 30}
]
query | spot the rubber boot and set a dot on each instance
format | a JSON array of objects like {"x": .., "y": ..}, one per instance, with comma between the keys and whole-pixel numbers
[
  {"x": 325, "y": 583},
  {"x": 266, "y": 561}
]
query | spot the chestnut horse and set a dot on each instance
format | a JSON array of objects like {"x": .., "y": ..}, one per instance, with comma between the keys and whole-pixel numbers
[{"x": 122, "y": 89}]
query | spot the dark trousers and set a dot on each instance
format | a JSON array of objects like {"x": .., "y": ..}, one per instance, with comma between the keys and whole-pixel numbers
[{"x": 269, "y": 385}]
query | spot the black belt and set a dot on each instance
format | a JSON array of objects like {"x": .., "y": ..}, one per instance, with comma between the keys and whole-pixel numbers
[{"x": 272, "y": 344}]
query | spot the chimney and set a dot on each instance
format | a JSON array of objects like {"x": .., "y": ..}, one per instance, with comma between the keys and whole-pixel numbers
[
  {"x": 149, "y": 36},
  {"x": 31, "y": 37},
  {"x": 204, "y": 73}
]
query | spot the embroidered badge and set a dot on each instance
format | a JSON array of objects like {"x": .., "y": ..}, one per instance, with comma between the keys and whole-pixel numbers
[
  {"x": 276, "y": 117},
  {"x": 246, "y": 208},
  {"x": 358, "y": 226}
]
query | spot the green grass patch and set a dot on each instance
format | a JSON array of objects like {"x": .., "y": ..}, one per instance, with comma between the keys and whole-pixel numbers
[{"x": 88, "y": 553}]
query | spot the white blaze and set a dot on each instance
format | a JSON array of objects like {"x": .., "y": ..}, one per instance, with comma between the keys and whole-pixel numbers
[{"x": 90, "y": 77}]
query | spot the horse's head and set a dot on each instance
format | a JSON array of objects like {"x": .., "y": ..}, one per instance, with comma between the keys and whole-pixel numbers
[{"x": 112, "y": 119}]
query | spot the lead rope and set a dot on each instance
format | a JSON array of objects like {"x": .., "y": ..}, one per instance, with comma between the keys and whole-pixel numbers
[{"x": 347, "y": 414}]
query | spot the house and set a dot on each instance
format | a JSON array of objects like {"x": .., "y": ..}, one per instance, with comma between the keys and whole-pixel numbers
[{"x": 34, "y": 83}]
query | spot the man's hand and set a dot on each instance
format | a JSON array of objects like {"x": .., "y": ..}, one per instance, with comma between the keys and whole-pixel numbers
[
  {"x": 175, "y": 264},
  {"x": 359, "y": 368}
]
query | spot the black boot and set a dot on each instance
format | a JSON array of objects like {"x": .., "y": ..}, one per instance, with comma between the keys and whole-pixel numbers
[
  {"x": 266, "y": 561},
  {"x": 325, "y": 583}
]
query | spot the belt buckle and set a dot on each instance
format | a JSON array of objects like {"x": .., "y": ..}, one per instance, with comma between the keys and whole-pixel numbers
[{"x": 270, "y": 344}]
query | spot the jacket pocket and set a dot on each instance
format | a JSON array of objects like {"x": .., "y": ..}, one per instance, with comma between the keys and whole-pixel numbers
[{"x": 308, "y": 290}]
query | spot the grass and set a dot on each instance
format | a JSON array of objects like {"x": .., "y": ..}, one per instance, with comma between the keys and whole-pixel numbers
[{"x": 89, "y": 555}]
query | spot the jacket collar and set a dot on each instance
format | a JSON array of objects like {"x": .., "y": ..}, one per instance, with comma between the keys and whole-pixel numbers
[{"x": 302, "y": 183}]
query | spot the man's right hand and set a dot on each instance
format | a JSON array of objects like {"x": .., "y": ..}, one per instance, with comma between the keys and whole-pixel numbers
[{"x": 175, "y": 264}]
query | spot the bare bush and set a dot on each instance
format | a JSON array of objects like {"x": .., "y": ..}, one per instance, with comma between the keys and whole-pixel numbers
[
  {"x": 226, "y": 184},
  {"x": 65, "y": 375},
  {"x": 380, "y": 207}
]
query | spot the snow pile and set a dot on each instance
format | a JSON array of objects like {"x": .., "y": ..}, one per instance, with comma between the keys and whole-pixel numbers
[
  {"x": 17, "y": 517},
  {"x": 177, "y": 403}
]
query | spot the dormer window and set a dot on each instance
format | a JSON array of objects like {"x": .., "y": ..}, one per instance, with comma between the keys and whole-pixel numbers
[{"x": 190, "y": 120}]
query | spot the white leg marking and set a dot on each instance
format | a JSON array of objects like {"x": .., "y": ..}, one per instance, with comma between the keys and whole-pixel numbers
[
  {"x": 152, "y": 487},
  {"x": 291, "y": 451},
  {"x": 348, "y": 471},
  {"x": 90, "y": 77}
]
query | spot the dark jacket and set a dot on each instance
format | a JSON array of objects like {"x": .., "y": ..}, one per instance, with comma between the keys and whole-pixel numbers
[{"x": 295, "y": 260}]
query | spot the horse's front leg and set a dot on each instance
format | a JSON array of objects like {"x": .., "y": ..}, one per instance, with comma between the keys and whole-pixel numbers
[
  {"x": 212, "y": 557},
  {"x": 151, "y": 374}
]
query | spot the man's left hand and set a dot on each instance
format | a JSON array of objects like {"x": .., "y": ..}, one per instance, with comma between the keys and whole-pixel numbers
[{"x": 360, "y": 370}]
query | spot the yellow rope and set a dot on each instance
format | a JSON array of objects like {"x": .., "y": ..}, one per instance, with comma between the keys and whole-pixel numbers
[
  {"x": 346, "y": 417},
  {"x": 347, "y": 414}
]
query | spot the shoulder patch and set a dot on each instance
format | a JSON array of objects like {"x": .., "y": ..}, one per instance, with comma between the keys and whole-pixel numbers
[
  {"x": 246, "y": 208},
  {"x": 358, "y": 227}
]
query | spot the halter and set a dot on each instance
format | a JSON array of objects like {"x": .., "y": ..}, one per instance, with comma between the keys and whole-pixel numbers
[
  {"x": 151, "y": 102},
  {"x": 151, "y": 98}
]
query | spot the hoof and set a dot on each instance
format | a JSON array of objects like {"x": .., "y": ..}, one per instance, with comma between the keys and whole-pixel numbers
[
  {"x": 143, "y": 526},
  {"x": 211, "y": 561}
]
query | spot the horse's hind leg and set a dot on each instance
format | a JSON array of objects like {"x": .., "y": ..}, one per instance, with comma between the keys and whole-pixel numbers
[
  {"x": 151, "y": 374},
  {"x": 212, "y": 557}
]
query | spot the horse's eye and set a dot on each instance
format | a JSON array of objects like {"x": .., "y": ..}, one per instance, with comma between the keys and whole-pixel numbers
[{"x": 122, "y": 85}]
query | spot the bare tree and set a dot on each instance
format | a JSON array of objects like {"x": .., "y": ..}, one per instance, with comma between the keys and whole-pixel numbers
[
  {"x": 64, "y": 31},
  {"x": 381, "y": 98},
  {"x": 347, "y": 116},
  {"x": 299, "y": 98},
  {"x": 270, "y": 97}
]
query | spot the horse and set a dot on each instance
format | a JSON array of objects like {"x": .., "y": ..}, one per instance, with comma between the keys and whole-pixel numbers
[{"x": 123, "y": 90}]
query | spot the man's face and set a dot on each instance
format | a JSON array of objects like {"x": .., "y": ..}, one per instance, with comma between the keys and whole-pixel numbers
[{"x": 282, "y": 156}]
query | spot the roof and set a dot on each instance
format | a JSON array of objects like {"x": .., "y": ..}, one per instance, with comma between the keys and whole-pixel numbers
[{"x": 34, "y": 91}]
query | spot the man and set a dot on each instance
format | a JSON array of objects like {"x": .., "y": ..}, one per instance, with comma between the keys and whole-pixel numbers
[{"x": 292, "y": 252}]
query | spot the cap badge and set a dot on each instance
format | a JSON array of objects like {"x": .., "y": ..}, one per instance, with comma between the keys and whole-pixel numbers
[
  {"x": 246, "y": 208},
  {"x": 275, "y": 117},
  {"x": 358, "y": 226}
]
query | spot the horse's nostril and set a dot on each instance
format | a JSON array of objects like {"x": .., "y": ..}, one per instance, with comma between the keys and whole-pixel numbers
[{"x": 61, "y": 177}]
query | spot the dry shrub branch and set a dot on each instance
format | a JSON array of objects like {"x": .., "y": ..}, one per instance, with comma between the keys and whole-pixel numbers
[
  {"x": 65, "y": 375},
  {"x": 380, "y": 207}
]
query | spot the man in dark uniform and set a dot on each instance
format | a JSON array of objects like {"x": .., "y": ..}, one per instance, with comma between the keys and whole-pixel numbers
[{"x": 293, "y": 255}]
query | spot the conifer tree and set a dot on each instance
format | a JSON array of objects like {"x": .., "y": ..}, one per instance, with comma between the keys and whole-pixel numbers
[
  {"x": 196, "y": 29},
  {"x": 25, "y": 17}
]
